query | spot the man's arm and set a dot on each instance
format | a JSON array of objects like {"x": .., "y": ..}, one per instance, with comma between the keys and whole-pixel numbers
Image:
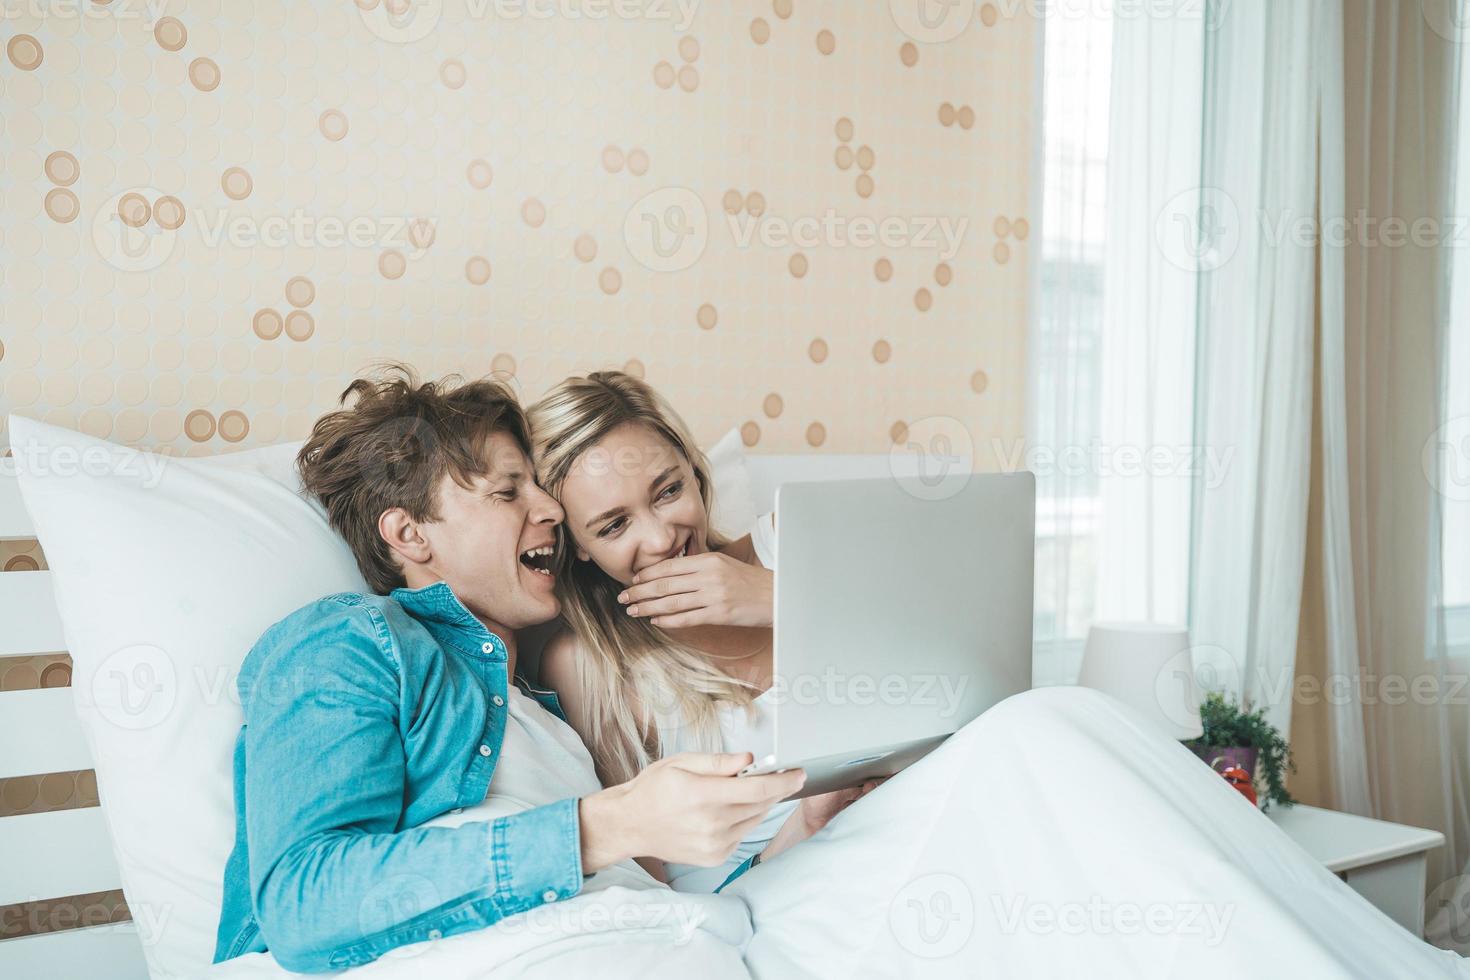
[{"x": 334, "y": 882}]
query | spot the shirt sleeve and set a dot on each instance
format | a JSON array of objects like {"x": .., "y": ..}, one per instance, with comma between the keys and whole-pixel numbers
[
  {"x": 333, "y": 881},
  {"x": 763, "y": 539}
]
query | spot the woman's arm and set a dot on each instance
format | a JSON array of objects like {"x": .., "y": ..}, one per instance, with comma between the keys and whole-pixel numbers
[{"x": 559, "y": 672}]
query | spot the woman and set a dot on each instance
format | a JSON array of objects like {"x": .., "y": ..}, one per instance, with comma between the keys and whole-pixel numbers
[{"x": 669, "y": 641}]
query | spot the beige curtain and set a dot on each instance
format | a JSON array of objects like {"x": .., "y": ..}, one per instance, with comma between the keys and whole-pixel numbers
[{"x": 1395, "y": 746}]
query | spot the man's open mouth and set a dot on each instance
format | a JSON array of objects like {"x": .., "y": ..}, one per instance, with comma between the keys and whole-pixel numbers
[{"x": 539, "y": 559}]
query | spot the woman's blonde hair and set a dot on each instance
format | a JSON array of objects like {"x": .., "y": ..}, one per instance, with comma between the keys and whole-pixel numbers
[{"x": 628, "y": 667}]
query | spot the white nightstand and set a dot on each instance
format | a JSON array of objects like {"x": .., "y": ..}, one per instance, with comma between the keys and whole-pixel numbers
[{"x": 1384, "y": 862}]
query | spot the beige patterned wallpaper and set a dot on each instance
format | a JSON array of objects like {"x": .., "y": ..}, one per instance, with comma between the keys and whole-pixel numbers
[
  {"x": 792, "y": 216},
  {"x": 811, "y": 220}
]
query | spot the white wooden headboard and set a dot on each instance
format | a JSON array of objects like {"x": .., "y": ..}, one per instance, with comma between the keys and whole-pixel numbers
[
  {"x": 51, "y": 855},
  {"x": 64, "y": 852}
]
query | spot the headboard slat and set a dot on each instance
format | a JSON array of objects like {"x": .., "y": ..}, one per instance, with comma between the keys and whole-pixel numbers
[
  {"x": 77, "y": 953},
  {"x": 15, "y": 521},
  {"x": 41, "y": 733},
  {"x": 28, "y": 610},
  {"x": 63, "y": 852}
]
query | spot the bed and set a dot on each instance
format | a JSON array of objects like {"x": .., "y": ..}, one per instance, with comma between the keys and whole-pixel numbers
[
  {"x": 71, "y": 852},
  {"x": 163, "y": 574}
]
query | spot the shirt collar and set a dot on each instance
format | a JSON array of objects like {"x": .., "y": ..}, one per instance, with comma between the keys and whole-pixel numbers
[{"x": 439, "y": 609}]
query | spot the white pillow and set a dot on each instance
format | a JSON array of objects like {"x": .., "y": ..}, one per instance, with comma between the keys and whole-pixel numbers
[
  {"x": 734, "y": 510},
  {"x": 166, "y": 572}
]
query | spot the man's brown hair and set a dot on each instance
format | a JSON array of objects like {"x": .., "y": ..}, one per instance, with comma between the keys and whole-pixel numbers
[{"x": 392, "y": 447}]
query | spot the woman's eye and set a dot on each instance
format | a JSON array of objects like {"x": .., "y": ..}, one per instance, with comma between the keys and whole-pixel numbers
[
  {"x": 672, "y": 490},
  {"x": 506, "y": 494},
  {"x": 612, "y": 528}
]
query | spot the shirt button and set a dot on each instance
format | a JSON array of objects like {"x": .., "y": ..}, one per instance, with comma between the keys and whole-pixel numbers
[
  {"x": 499, "y": 701},
  {"x": 485, "y": 750},
  {"x": 549, "y": 896},
  {"x": 488, "y": 648},
  {"x": 435, "y": 934}
]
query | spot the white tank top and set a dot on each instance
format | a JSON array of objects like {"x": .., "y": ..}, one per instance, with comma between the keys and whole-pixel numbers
[{"x": 741, "y": 730}]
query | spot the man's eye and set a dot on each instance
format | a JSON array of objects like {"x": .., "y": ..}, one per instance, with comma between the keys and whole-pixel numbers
[
  {"x": 506, "y": 494},
  {"x": 611, "y": 528}
]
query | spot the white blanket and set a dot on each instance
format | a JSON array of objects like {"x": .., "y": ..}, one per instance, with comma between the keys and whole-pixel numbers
[{"x": 1054, "y": 836}]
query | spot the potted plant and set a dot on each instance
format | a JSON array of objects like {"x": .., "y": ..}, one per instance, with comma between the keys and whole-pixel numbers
[{"x": 1237, "y": 737}]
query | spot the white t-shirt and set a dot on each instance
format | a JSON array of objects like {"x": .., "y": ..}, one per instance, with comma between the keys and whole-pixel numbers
[
  {"x": 741, "y": 730},
  {"x": 542, "y": 760}
]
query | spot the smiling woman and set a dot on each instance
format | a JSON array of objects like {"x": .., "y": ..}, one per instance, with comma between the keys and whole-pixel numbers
[{"x": 642, "y": 495}]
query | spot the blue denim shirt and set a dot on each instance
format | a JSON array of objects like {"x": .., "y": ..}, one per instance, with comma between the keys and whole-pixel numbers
[{"x": 366, "y": 716}]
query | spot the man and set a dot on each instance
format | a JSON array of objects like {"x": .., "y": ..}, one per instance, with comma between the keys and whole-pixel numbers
[{"x": 389, "y": 749}]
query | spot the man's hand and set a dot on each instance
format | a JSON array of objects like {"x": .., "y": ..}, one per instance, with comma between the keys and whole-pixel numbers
[
  {"x": 710, "y": 589},
  {"x": 690, "y": 808}
]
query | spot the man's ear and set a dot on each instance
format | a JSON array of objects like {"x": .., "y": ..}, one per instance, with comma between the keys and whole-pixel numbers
[{"x": 402, "y": 534}]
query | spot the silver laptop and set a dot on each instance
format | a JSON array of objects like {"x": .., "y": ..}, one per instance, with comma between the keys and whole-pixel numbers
[{"x": 899, "y": 618}]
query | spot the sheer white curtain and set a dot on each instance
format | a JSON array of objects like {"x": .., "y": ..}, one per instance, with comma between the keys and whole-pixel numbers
[
  {"x": 1185, "y": 388},
  {"x": 1269, "y": 76}
]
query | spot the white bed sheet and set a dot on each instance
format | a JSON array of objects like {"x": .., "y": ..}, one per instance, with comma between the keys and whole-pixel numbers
[{"x": 1057, "y": 835}]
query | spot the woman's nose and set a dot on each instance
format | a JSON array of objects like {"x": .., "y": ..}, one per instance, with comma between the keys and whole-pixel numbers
[{"x": 660, "y": 541}]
